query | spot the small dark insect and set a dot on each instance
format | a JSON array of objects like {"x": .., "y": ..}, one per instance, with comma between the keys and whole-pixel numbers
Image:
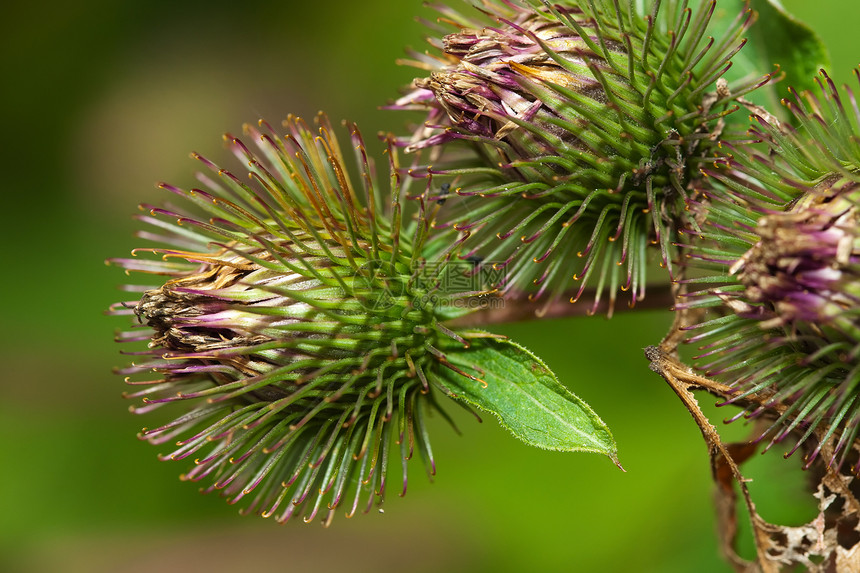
[
  {"x": 475, "y": 260},
  {"x": 444, "y": 190}
]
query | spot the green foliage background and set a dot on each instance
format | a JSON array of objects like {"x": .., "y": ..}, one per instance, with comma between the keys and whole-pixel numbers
[{"x": 100, "y": 100}]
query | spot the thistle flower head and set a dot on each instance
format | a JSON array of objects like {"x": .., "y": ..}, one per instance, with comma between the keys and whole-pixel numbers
[
  {"x": 783, "y": 242},
  {"x": 590, "y": 120},
  {"x": 297, "y": 322},
  {"x": 803, "y": 268}
]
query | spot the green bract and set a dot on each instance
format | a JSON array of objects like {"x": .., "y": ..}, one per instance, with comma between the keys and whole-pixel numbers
[
  {"x": 573, "y": 133},
  {"x": 782, "y": 245},
  {"x": 302, "y": 324}
]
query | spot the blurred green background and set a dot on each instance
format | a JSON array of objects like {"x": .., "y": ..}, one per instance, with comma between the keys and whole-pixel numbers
[{"x": 102, "y": 99}]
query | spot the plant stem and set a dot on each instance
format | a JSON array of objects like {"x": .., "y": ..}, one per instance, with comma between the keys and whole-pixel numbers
[{"x": 522, "y": 309}]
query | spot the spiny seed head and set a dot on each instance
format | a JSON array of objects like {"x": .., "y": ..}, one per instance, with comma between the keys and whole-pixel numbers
[
  {"x": 298, "y": 323},
  {"x": 803, "y": 268},
  {"x": 589, "y": 120},
  {"x": 783, "y": 244}
]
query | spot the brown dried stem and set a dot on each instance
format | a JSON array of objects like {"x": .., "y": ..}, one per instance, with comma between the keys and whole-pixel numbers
[
  {"x": 681, "y": 381},
  {"x": 777, "y": 546}
]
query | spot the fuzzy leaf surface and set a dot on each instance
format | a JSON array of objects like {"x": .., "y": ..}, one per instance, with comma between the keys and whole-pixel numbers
[{"x": 525, "y": 396}]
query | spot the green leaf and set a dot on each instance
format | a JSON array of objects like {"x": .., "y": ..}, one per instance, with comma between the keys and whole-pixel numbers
[
  {"x": 776, "y": 37},
  {"x": 503, "y": 378}
]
